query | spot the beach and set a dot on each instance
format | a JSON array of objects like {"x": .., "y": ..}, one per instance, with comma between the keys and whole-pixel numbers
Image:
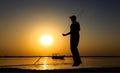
[
  {"x": 78, "y": 70},
  {"x": 48, "y": 65}
]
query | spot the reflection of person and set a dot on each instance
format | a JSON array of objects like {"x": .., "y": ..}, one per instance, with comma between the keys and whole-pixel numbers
[{"x": 74, "y": 40}]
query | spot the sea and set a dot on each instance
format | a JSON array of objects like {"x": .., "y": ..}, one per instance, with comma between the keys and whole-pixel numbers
[{"x": 47, "y": 63}]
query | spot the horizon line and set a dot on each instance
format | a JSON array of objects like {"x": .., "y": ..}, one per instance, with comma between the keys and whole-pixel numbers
[{"x": 50, "y": 56}]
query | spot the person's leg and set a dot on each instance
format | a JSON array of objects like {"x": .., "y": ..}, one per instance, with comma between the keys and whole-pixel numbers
[
  {"x": 77, "y": 56},
  {"x": 75, "y": 53}
]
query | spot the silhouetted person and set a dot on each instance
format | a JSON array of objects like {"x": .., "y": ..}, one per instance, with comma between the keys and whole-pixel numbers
[{"x": 74, "y": 40}]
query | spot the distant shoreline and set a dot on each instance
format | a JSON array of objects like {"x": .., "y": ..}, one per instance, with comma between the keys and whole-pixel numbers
[
  {"x": 102, "y": 69},
  {"x": 48, "y": 56}
]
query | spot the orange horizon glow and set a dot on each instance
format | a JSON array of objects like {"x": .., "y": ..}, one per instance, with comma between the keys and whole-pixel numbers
[{"x": 21, "y": 31}]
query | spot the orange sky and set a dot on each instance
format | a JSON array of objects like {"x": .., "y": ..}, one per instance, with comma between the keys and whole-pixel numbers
[{"x": 23, "y": 24}]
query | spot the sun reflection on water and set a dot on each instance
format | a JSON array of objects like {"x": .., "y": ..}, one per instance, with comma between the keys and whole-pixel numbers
[{"x": 45, "y": 64}]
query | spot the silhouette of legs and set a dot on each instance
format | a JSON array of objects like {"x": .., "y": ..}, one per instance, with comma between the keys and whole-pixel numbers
[{"x": 75, "y": 53}]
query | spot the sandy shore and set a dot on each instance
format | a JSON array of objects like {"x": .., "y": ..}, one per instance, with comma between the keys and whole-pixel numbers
[{"x": 79, "y": 70}]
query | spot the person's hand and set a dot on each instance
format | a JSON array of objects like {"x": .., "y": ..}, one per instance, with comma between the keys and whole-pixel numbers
[{"x": 64, "y": 34}]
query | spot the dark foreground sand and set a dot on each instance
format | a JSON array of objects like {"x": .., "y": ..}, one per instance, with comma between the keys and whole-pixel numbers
[{"x": 79, "y": 70}]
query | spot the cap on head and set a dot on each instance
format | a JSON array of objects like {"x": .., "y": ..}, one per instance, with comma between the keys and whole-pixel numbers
[{"x": 73, "y": 17}]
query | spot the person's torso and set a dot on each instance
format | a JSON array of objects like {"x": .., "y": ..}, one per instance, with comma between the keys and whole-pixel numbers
[{"x": 75, "y": 28}]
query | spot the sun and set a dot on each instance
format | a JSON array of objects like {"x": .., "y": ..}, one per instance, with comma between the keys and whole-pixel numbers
[{"x": 46, "y": 40}]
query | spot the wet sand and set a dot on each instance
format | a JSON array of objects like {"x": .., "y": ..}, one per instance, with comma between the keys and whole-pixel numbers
[{"x": 78, "y": 70}]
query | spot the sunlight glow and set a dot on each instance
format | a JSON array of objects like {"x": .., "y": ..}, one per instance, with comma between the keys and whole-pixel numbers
[
  {"x": 46, "y": 40},
  {"x": 45, "y": 64}
]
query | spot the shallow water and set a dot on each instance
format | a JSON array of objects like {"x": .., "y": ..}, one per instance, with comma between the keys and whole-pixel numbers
[{"x": 49, "y": 63}]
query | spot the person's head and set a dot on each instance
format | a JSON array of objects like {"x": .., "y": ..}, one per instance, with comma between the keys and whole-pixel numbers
[{"x": 73, "y": 18}]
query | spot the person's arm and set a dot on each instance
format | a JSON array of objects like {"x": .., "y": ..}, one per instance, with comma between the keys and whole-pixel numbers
[{"x": 66, "y": 34}]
